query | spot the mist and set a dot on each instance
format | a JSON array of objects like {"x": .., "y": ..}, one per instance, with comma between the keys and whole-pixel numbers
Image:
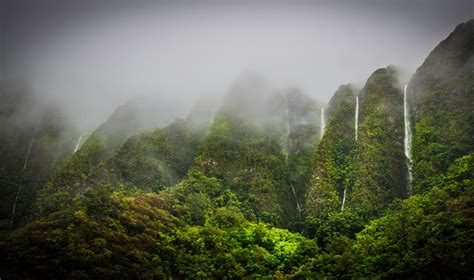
[{"x": 89, "y": 57}]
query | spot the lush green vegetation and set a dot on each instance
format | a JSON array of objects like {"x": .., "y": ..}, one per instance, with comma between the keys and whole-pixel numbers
[
  {"x": 194, "y": 202},
  {"x": 248, "y": 160},
  {"x": 380, "y": 172},
  {"x": 333, "y": 162},
  {"x": 442, "y": 103}
]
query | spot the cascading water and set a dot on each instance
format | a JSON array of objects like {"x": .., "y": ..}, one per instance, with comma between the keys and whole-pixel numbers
[
  {"x": 343, "y": 199},
  {"x": 357, "y": 117},
  {"x": 287, "y": 147},
  {"x": 25, "y": 164},
  {"x": 356, "y": 127},
  {"x": 323, "y": 122},
  {"x": 407, "y": 139},
  {"x": 79, "y": 142}
]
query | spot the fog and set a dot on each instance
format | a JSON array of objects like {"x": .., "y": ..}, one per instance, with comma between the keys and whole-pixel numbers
[{"x": 92, "y": 56}]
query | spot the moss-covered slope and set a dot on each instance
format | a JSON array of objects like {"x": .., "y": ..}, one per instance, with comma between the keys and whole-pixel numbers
[
  {"x": 149, "y": 161},
  {"x": 441, "y": 94},
  {"x": 380, "y": 172},
  {"x": 333, "y": 161}
]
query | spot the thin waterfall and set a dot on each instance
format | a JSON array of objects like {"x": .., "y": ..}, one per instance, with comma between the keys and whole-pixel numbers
[
  {"x": 407, "y": 140},
  {"x": 79, "y": 142},
  {"x": 323, "y": 122},
  {"x": 287, "y": 146},
  {"x": 25, "y": 164},
  {"x": 356, "y": 127},
  {"x": 357, "y": 117},
  {"x": 343, "y": 199}
]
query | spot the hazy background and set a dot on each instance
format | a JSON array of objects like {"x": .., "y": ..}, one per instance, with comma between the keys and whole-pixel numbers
[{"x": 91, "y": 56}]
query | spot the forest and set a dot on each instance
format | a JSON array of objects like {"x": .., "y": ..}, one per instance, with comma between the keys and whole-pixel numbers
[{"x": 377, "y": 184}]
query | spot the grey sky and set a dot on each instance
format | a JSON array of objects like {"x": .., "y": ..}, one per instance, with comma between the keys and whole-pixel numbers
[{"x": 94, "y": 55}]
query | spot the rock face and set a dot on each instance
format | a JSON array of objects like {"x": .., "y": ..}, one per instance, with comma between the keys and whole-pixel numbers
[
  {"x": 380, "y": 173},
  {"x": 367, "y": 174},
  {"x": 441, "y": 94},
  {"x": 334, "y": 156}
]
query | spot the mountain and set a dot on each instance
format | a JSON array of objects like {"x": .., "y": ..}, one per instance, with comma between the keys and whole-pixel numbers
[
  {"x": 258, "y": 187},
  {"x": 35, "y": 138},
  {"x": 254, "y": 149},
  {"x": 304, "y": 130},
  {"x": 333, "y": 163},
  {"x": 380, "y": 172},
  {"x": 148, "y": 161},
  {"x": 441, "y": 93}
]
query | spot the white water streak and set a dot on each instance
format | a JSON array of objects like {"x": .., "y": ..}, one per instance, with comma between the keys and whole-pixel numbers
[
  {"x": 407, "y": 138},
  {"x": 343, "y": 199},
  {"x": 287, "y": 110},
  {"x": 25, "y": 164},
  {"x": 79, "y": 143},
  {"x": 357, "y": 117}
]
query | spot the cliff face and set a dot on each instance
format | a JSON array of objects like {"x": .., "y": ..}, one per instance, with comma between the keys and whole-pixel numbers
[
  {"x": 333, "y": 161},
  {"x": 301, "y": 139},
  {"x": 372, "y": 170},
  {"x": 380, "y": 172},
  {"x": 442, "y": 97}
]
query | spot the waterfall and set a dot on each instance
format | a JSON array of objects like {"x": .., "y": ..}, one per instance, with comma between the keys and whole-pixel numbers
[
  {"x": 343, "y": 199},
  {"x": 407, "y": 140},
  {"x": 323, "y": 122},
  {"x": 79, "y": 142},
  {"x": 296, "y": 199},
  {"x": 25, "y": 164},
  {"x": 288, "y": 148},
  {"x": 356, "y": 117}
]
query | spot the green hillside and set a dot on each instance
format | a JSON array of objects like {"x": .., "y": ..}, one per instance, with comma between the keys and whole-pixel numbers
[{"x": 253, "y": 188}]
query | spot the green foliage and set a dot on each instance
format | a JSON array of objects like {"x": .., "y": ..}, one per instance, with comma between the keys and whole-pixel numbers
[
  {"x": 109, "y": 234},
  {"x": 250, "y": 162},
  {"x": 149, "y": 161},
  {"x": 303, "y": 120},
  {"x": 104, "y": 235},
  {"x": 176, "y": 203},
  {"x": 442, "y": 98},
  {"x": 427, "y": 236},
  {"x": 67, "y": 178},
  {"x": 334, "y": 156},
  {"x": 380, "y": 172}
]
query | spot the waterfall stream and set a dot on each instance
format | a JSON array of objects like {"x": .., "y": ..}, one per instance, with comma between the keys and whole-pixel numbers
[
  {"x": 79, "y": 143},
  {"x": 287, "y": 148},
  {"x": 407, "y": 139},
  {"x": 356, "y": 130},
  {"x": 357, "y": 117},
  {"x": 343, "y": 199},
  {"x": 25, "y": 164}
]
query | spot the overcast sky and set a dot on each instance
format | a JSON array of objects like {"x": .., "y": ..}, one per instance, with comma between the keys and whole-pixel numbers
[{"x": 94, "y": 55}]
